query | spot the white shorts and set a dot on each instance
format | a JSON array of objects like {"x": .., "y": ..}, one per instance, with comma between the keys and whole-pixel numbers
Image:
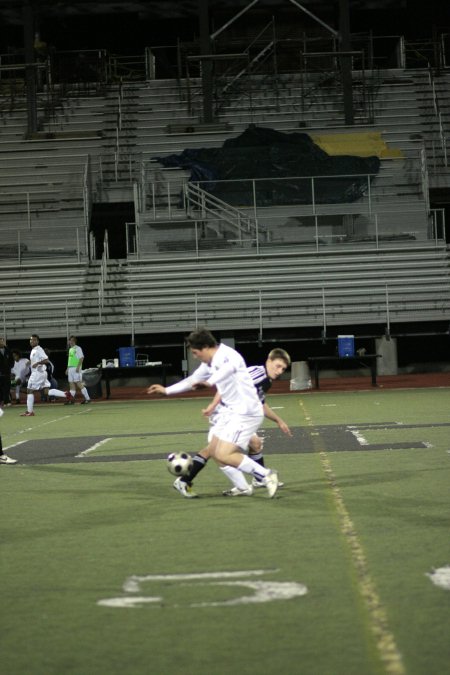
[
  {"x": 237, "y": 429},
  {"x": 73, "y": 375},
  {"x": 38, "y": 380}
]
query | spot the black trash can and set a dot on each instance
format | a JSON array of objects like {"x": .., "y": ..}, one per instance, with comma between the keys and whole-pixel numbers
[{"x": 92, "y": 378}]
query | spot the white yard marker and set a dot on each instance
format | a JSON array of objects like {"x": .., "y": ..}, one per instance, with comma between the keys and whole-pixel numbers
[{"x": 263, "y": 591}]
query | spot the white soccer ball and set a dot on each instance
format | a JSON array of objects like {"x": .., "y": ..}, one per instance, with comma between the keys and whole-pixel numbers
[{"x": 179, "y": 463}]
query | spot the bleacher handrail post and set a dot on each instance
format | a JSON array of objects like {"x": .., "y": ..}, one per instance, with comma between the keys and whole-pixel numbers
[
  {"x": 324, "y": 312},
  {"x": 424, "y": 175},
  {"x": 197, "y": 243},
  {"x": 313, "y": 196},
  {"x": 67, "y": 317},
  {"x": 78, "y": 245},
  {"x": 388, "y": 321},
  {"x": 28, "y": 210},
  {"x": 260, "y": 310}
]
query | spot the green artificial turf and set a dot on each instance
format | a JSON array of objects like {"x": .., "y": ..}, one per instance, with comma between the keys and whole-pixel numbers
[{"x": 74, "y": 534}]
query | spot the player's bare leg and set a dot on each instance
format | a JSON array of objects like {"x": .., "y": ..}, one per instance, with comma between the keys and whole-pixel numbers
[{"x": 227, "y": 453}]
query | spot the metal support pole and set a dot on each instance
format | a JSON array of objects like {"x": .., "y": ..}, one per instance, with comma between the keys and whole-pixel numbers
[
  {"x": 260, "y": 318},
  {"x": 206, "y": 64},
  {"x": 132, "y": 320},
  {"x": 345, "y": 61},
  {"x": 30, "y": 70}
]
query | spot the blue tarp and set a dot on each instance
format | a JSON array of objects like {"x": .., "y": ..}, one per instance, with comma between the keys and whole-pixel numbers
[{"x": 266, "y": 154}]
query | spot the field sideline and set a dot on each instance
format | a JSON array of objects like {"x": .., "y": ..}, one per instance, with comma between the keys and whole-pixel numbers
[{"x": 108, "y": 570}]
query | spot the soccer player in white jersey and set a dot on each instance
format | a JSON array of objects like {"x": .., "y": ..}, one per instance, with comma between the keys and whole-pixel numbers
[
  {"x": 223, "y": 367},
  {"x": 38, "y": 378},
  {"x": 262, "y": 376},
  {"x": 19, "y": 373}
]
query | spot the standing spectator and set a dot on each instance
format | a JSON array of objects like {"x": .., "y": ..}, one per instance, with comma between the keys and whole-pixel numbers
[
  {"x": 5, "y": 372},
  {"x": 74, "y": 372},
  {"x": 19, "y": 373},
  {"x": 38, "y": 378}
]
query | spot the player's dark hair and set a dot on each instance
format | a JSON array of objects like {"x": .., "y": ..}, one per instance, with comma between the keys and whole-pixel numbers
[
  {"x": 281, "y": 354},
  {"x": 201, "y": 338},
  {"x": 35, "y": 336},
  {"x": 16, "y": 351}
]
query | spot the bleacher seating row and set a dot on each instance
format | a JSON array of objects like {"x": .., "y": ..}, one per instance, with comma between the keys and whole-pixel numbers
[
  {"x": 42, "y": 192},
  {"x": 270, "y": 291}
]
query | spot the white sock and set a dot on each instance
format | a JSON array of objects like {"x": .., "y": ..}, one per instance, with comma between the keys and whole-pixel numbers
[
  {"x": 18, "y": 392},
  {"x": 84, "y": 391},
  {"x": 57, "y": 392},
  {"x": 73, "y": 393},
  {"x": 237, "y": 477},
  {"x": 30, "y": 402},
  {"x": 250, "y": 466}
]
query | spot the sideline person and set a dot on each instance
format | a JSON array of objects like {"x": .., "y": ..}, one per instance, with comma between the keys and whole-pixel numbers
[
  {"x": 5, "y": 372},
  {"x": 74, "y": 372},
  {"x": 223, "y": 367}
]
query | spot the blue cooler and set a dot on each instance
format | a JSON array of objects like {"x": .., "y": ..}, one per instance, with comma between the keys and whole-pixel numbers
[
  {"x": 346, "y": 346},
  {"x": 127, "y": 357}
]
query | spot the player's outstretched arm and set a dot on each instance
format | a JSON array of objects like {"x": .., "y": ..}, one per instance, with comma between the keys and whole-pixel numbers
[
  {"x": 208, "y": 411},
  {"x": 271, "y": 415},
  {"x": 156, "y": 389},
  {"x": 201, "y": 384}
]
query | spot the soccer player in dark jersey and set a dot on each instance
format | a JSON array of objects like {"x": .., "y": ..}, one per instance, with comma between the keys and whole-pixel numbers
[{"x": 277, "y": 362}]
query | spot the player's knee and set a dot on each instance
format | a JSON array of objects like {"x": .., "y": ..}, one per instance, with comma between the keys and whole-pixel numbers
[{"x": 255, "y": 447}]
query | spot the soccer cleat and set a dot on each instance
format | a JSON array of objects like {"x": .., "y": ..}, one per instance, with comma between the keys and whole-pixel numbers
[
  {"x": 27, "y": 414},
  {"x": 271, "y": 483},
  {"x": 260, "y": 484},
  {"x": 4, "y": 459},
  {"x": 237, "y": 492},
  {"x": 85, "y": 400},
  {"x": 184, "y": 489}
]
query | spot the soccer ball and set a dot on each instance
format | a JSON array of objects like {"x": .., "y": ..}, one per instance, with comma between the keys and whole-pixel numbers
[{"x": 179, "y": 463}]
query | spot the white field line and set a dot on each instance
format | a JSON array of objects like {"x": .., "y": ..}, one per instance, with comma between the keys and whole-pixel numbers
[
  {"x": 44, "y": 424},
  {"x": 93, "y": 447},
  {"x": 359, "y": 437},
  {"x": 8, "y": 447}
]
